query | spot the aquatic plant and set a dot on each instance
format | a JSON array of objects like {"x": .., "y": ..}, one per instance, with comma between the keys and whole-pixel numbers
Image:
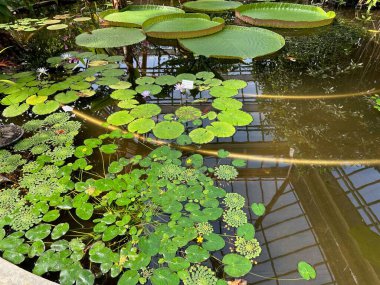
[
  {"x": 9, "y": 162},
  {"x": 200, "y": 275},
  {"x": 24, "y": 218},
  {"x": 234, "y": 200},
  {"x": 248, "y": 248},
  {"x": 226, "y": 172},
  {"x": 234, "y": 217},
  {"x": 204, "y": 228}
]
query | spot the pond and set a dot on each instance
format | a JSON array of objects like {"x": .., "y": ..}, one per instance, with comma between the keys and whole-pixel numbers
[{"x": 150, "y": 164}]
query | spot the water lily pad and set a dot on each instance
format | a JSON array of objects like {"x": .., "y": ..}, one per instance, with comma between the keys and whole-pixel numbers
[
  {"x": 236, "y": 265},
  {"x": 181, "y": 26},
  {"x": 186, "y": 76},
  {"x": 222, "y": 91},
  {"x": 57, "y": 27},
  {"x": 120, "y": 118},
  {"x": 82, "y": 19},
  {"x": 145, "y": 80},
  {"x": 211, "y": 6},
  {"x": 34, "y": 100},
  {"x": 120, "y": 85},
  {"x": 306, "y": 271},
  {"x": 141, "y": 126},
  {"x": 227, "y": 104},
  {"x": 168, "y": 130},
  {"x": 51, "y": 22},
  {"x": 201, "y": 136},
  {"x": 45, "y": 108},
  {"x": 123, "y": 94},
  {"x": 234, "y": 84},
  {"x": 128, "y": 104},
  {"x": 166, "y": 80},
  {"x": 205, "y": 75},
  {"x": 236, "y": 42},
  {"x": 15, "y": 110},
  {"x": 235, "y": 117},
  {"x": 136, "y": 15},
  {"x": 146, "y": 111},
  {"x": 221, "y": 129},
  {"x": 151, "y": 88},
  {"x": 284, "y": 15},
  {"x": 66, "y": 98},
  {"x": 110, "y": 38},
  {"x": 188, "y": 113}
]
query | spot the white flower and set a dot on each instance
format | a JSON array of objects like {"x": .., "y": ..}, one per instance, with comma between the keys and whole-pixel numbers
[
  {"x": 145, "y": 93},
  {"x": 41, "y": 71},
  {"x": 180, "y": 87},
  {"x": 66, "y": 56}
]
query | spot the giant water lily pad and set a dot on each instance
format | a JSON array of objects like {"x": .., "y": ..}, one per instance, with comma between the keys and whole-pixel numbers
[
  {"x": 236, "y": 42},
  {"x": 136, "y": 15},
  {"x": 284, "y": 15},
  {"x": 211, "y": 6},
  {"x": 110, "y": 38},
  {"x": 182, "y": 26}
]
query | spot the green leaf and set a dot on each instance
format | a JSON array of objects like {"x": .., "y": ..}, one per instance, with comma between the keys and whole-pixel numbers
[
  {"x": 201, "y": 136},
  {"x": 130, "y": 277},
  {"x": 120, "y": 118},
  {"x": 284, "y": 15},
  {"x": 15, "y": 110},
  {"x": 221, "y": 129},
  {"x": 196, "y": 254},
  {"x": 235, "y": 42},
  {"x": 108, "y": 148},
  {"x": 14, "y": 257},
  {"x": 164, "y": 276},
  {"x": 110, "y": 38},
  {"x": 51, "y": 216},
  {"x": 239, "y": 162},
  {"x": 234, "y": 84},
  {"x": 150, "y": 245},
  {"x": 258, "y": 209},
  {"x": 236, "y": 265},
  {"x": 146, "y": 111},
  {"x": 178, "y": 264},
  {"x": 247, "y": 231},
  {"x": 168, "y": 130},
  {"x": 222, "y": 92},
  {"x": 45, "y": 108},
  {"x": 223, "y": 153},
  {"x": 211, "y": 6},
  {"x": 110, "y": 233},
  {"x": 306, "y": 271},
  {"x": 38, "y": 232},
  {"x": 141, "y": 126},
  {"x": 60, "y": 230},
  {"x": 36, "y": 249},
  {"x": 213, "y": 242},
  {"x": 235, "y": 117},
  {"x": 85, "y": 211}
]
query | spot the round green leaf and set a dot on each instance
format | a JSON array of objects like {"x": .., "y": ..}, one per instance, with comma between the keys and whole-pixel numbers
[
  {"x": 164, "y": 276},
  {"x": 236, "y": 265},
  {"x": 38, "y": 232},
  {"x": 234, "y": 84},
  {"x": 141, "y": 126},
  {"x": 222, "y": 91},
  {"x": 221, "y": 129},
  {"x": 45, "y": 108},
  {"x": 145, "y": 111},
  {"x": 226, "y": 103},
  {"x": 196, "y": 254},
  {"x": 85, "y": 211},
  {"x": 130, "y": 277},
  {"x": 168, "y": 130},
  {"x": 201, "y": 136},
  {"x": 120, "y": 118},
  {"x": 213, "y": 242},
  {"x": 306, "y": 271},
  {"x": 15, "y": 110},
  {"x": 246, "y": 231},
  {"x": 258, "y": 209},
  {"x": 51, "y": 216},
  {"x": 60, "y": 230},
  {"x": 235, "y": 117}
]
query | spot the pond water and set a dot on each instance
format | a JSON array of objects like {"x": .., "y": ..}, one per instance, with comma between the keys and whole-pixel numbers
[{"x": 312, "y": 150}]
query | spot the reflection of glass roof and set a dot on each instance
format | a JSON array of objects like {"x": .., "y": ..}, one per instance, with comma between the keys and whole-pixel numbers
[{"x": 361, "y": 185}]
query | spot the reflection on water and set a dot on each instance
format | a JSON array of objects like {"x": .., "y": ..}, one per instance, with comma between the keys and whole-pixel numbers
[{"x": 327, "y": 216}]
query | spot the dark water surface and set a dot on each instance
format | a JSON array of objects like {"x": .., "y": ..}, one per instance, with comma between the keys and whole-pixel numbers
[{"x": 327, "y": 213}]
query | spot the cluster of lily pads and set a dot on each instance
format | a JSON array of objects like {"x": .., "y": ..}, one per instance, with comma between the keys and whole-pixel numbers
[
  {"x": 137, "y": 218},
  {"x": 203, "y": 35}
]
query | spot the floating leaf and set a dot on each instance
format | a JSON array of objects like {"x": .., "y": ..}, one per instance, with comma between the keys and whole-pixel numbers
[
  {"x": 201, "y": 136},
  {"x": 213, "y": 242},
  {"x": 57, "y": 27},
  {"x": 120, "y": 118},
  {"x": 180, "y": 26},
  {"x": 110, "y": 233},
  {"x": 223, "y": 153},
  {"x": 196, "y": 254},
  {"x": 110, "y": 38},
  {"x": 258, "y": 209},
  {"x": 66, "y": 98},
  {"x": 120, "y": 85},
  {"x": 227, "y": 104},
  {"x": 186, "y": 76},
  {"x": 145, "y": 80},
  {"x": 50, "y": 216},
  {"x": 166, "y": 80},
  {"x": 222, "y": 91},
  {"x": 141, "y": 126},
  {"x": 85, "y": 211},
  {"x": 34, "y": 100},
  {"x": 82, "y": 19},
  {"x": 130, "y": 277},
  {"x": 188, "y": 113},
  {"x": 306, "y": 271},
  {"x": 14, "y": 257},
  {"x": 235, "y": 117},
  {"x": 284, "y": 15},
  {"x": 45, "y": 108},
  {"x": 146, "y": 111},
  {"x": 236, "y": 265},
  {"x": 211, "y": 6},
  {"x": 136, "y": 15},
  {"x": 246, "y": 231},
  {"x": 38, "y": 232},
  {"x": 234, "y": 84},
  {"x": 123, "y": 94},
  {"x": 151, "y": 88},
  {"x": 164, "y": 276},
  {"x": 168, "y": 130},
  {"x": 221, "y": 129},
  {"x": 178, "y": 264},
  {"x": 235, "y": 42},
  {"x": 60, "y": 230},
  {"x": 15, "y": 110}
]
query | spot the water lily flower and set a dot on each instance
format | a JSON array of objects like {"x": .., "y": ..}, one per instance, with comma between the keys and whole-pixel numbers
[
  {"x": 180, "y": 87},
  {"x": 66, "y": 56},
  {"x": 41, "y": 71},
  {"x": 145, "y": 93}
]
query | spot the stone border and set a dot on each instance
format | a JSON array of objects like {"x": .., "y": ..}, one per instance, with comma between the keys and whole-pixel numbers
[{"x": 13, "y": 275}]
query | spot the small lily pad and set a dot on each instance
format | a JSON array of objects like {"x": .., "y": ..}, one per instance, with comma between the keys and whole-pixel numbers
[
  {"x": 120, "y": 118},
  {"x": 201, "y": 136},
  {"x": 168, "y": 130},
  {"x": 46, "y": 108},
  {"x": 141, "y": 126}
]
